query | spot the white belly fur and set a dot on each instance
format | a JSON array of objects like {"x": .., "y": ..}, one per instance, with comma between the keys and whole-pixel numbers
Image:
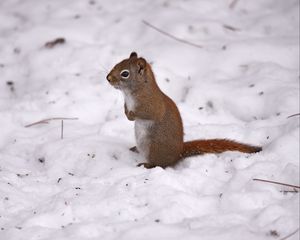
[
  {"x": 141, "y": 135},
  {"x": 129, "y": 101}
]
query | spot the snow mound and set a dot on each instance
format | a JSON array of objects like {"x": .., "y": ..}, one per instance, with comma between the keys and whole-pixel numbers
[{"x": 242, "y": 85}]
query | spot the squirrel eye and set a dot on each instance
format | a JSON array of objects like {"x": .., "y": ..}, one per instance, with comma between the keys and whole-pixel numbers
[{"x": 125, "y": 73}]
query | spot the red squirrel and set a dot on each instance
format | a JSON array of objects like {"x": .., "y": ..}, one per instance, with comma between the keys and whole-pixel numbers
[{"x": 158, "y": 124}]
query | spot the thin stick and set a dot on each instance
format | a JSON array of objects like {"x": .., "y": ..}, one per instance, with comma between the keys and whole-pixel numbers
[
  {"x": 294, "y": 191},
  {"x": 283, "y": 184},
  {"x": 291, "y": 234},
  {"x": 45, "y": 121},
  {"x": 231, "y": 28},
  {"x": 233, "y": 4},
  {"x": 62, "y": 129},
  {"x": 294, "y": 115},
  {"x": 171, "y": 36}
]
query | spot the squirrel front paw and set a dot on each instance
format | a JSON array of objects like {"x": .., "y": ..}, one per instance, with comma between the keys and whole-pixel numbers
[{"x": 130, "y": 115}]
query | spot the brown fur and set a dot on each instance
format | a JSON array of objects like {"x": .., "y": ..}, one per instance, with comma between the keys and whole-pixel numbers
[
  {"x": 158, "y": 124},
  {"x": 197, "y": 147}
]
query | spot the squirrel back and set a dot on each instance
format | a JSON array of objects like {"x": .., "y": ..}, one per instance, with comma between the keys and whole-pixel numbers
[{"x": 158, "y": 124}]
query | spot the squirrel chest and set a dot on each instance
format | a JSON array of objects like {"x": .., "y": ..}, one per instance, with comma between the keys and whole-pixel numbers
[
  {"x": 142, "y": 131},
  {"x": 142, "y": 127},
  {"x": 129, "y": 100}
]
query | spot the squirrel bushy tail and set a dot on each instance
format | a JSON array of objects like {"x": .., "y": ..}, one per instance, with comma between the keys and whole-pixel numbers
[{"x": 197, "y": 147}]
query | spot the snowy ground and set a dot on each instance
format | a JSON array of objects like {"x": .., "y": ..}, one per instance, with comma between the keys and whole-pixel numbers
[{"x": 242, "y": 85}]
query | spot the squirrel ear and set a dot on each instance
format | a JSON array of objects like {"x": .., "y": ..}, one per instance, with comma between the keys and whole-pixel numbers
[
  {"x": 141, "y": 62},
  {"x": 133, "y": 54}
]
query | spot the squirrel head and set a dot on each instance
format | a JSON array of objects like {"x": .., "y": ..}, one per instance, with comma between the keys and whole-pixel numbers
[{"x": 130, "y": 74}]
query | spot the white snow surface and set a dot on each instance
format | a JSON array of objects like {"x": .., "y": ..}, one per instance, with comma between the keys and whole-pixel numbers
[{"x": 242, "y": 85}]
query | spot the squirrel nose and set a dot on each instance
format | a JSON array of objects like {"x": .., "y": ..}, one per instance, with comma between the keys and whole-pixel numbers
[{"x": 109, "y": 78}]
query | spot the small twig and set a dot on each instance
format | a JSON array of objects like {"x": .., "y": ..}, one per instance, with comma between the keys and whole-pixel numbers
[
  {"x": 294, "y": 115},
  {"x": 279, "y": 183},
  {"x": 233, "y": 4},
  {"x": 62, "y": 129},
  {"x": 186, "y": 91},
  {"x": 293, "y": 191},
  {"x": 231, "y": 28},
  {"x": 45, "y": 121},
  {"x": 291, "y": 234},
  {"x": 171, "y": 36},
  {"x": 55, "y": 42}
]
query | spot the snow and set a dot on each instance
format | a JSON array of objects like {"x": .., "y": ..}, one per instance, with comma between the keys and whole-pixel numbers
[{"x": 242, "y": 85}]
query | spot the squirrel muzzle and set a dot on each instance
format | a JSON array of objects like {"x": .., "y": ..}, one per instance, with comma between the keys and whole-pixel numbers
[
  {"x": 109, "y": 78},
  {"x": 113, "y": 81}
]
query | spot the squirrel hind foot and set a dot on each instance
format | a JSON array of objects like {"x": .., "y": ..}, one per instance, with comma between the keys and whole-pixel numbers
[{"x": 146, "y": 165}]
